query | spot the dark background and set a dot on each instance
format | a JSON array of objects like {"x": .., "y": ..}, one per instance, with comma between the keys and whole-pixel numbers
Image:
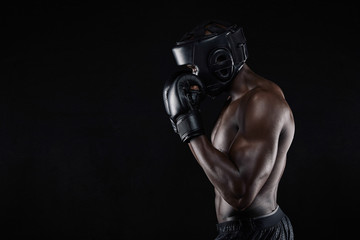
[{"x": 87, "y": 151}]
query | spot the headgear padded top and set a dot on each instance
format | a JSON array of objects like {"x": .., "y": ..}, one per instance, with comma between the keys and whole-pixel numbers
[{"x": 217, "y": 49}]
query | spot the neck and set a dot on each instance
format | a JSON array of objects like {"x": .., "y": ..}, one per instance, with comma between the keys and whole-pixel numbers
[{"x": 240, "y": 85}]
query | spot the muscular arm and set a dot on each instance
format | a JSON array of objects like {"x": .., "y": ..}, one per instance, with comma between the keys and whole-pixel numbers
[{"x": 239, "y": 175}]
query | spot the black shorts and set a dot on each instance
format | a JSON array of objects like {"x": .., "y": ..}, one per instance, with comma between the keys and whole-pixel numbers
[{"x": 275, "y": 225}]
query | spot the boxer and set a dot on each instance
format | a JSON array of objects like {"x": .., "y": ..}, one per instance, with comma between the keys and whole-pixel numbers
[{"x": 246, "y": 156}]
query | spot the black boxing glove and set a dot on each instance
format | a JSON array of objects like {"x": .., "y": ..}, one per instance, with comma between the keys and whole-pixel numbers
[{"x": 181, "y": 100}]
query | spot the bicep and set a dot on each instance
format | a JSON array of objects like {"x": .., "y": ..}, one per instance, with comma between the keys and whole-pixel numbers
[
  {"x": 254, "y": 148},
  {"x": 254, "y": 158}
]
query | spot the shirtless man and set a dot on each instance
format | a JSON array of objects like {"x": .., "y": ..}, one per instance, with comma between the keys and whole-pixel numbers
[{"x": 246, "y": 156}]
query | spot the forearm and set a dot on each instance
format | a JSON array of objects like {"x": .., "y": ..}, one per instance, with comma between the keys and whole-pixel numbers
[{"x": 219, "y": 169}]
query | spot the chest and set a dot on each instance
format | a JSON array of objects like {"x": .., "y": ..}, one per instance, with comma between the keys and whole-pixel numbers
[{"x": 227, "y": 126}]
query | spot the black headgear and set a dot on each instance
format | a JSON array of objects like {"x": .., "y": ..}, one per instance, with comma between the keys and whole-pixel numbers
[{"x": 218, "y": 51}]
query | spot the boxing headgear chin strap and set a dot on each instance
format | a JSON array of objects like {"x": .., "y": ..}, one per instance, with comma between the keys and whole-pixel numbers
[{"x": 217, "y": 56}]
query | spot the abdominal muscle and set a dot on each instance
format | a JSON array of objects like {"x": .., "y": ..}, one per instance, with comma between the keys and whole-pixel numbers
[{"x": 264, "y": 203}]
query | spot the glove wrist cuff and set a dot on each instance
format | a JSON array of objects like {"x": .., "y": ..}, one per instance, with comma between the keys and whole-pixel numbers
[{"x": 189, "y": 126}]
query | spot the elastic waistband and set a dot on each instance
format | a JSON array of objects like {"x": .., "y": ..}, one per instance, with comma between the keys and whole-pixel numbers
[{"x": 260, "y": 222}]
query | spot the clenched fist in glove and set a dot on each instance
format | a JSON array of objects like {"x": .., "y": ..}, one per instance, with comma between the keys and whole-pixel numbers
[{"x": 182, "y": 95}]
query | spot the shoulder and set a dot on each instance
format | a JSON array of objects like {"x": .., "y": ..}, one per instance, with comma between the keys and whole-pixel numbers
[
  {"x": 266, "y": 106},
  {"x": 266, "y": 98}
]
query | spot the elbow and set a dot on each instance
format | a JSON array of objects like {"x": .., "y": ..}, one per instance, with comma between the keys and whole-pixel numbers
[
  {"x": 239, "y": 203},
  {"x": 238, "y": 197},
  {"x": 243, "y": 203}
]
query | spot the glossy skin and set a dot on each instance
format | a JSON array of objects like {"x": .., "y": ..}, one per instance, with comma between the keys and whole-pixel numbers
[{"x": 246, "y": 156}]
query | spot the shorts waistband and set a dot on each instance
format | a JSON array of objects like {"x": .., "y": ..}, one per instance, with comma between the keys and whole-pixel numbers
[{"x": 260, "y": 222}]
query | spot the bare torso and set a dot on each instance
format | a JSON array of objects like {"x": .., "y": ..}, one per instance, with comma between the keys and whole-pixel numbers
[{"x": 228, "y": 127}]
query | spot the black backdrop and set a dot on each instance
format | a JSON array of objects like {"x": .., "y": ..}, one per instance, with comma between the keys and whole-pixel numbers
[{"x": 87, "y": 151}]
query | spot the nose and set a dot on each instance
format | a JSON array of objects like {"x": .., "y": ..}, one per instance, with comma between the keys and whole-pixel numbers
[{"x": 195, "y": 87}]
